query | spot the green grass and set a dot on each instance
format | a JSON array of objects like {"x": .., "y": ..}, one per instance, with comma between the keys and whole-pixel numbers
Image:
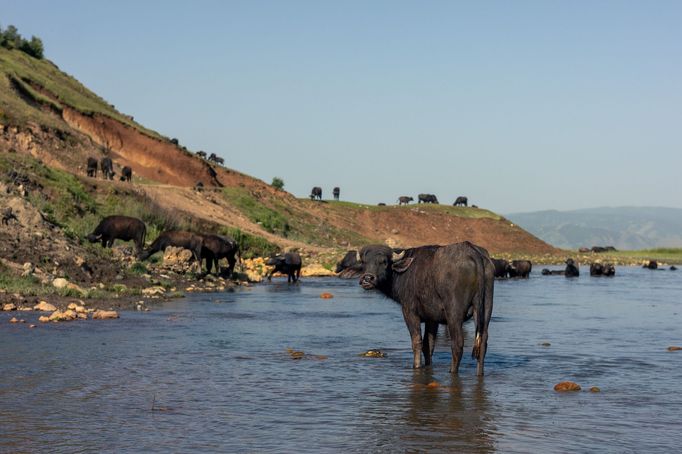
[
  {"x": 668, "y": 255},
  {"x": 464, "y": 212},
  {"x": 270, "y": 219},
  {"x": 63, "y": 89}
]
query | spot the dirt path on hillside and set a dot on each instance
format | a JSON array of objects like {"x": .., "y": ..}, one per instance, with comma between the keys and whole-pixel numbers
[{"x": 209, "y": 206}]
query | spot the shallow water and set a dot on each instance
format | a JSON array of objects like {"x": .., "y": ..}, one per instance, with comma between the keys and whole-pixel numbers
[{"x": 212, "y": 373}]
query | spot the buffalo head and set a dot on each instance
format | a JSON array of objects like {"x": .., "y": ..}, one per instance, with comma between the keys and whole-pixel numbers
[
  {"x": 94, "y": 238},
  {"x": 380, "y": 262}
]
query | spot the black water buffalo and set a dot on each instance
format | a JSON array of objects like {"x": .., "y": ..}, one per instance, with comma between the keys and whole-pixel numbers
[
  {"x": 177, "y": 238},
  {"x": 199, "y": 186},
  {"x": 652, "y": 265},
  {"x": 119, "y": 228},
  {"x": 520, "y": 268},
  {"x": 501, "y": 268},
  {"x": 435, "y": 285},
  {"x": 217, "y": 247},
  {"x": 427, "y": 198},
  {"x": 107, "y": 168},
  {"x": 599, "y": 249},
  {"x": 571, "y": 270},
  {"x": 381, "y": 204},
  {"x": 350, "y": 266},
  {"x": 404, "y": 200},
  {"x": 8, "y": 215},
  {"x": 336, "y": 192},
  {"x": 316, "y": 193},
  {"x": 461, "y": 200},
  {"x": 126, "y": 174},
  {"x": 201, "y": 154},
  {"x": 91, "y": 168},
  {"x": 602, "y": 269},
  {"x": 673, "y": 268},
  {"x": 288, "y": 263}
]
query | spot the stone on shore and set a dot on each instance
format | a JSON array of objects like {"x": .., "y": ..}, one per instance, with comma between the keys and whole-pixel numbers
[
  {"x": 44, "y": 306},
  {"x": 9, "y": 307},
  {"x": 104, "y": 315},
  {"x": 156, "y": 290},
  {"x": 316, "y": 269}
]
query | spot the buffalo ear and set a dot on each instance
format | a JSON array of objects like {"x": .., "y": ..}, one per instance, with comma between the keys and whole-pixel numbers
[{"x": 402, "y": 265}]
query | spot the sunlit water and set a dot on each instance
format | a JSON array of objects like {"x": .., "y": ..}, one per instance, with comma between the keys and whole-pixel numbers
[{"x": 212, "y": 373}]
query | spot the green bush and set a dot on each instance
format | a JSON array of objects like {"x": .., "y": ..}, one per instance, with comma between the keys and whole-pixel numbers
[
  {"x": 11, "y": 39},
  {"x": 277, "y": 183}
]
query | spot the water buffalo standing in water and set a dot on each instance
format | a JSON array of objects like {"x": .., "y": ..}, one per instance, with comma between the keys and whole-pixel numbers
[
  {"x": 652, "y": 265},
  {"x": 461, "y": 200},
  {"x": 404, "y": 200},
  {"x": 602, "y": 269},
  {"x": 316, "y": 193},
  {"x": 119, "y": 228},
  {"x": 91, "y": 168},
  {"x": 216, "y": 247},
  {"x": 427, "y": 198},
  {"x": 177, "y": 238},
  {"x": 571, "y": 270},
  {"x": 501, "y": 268},
  {"x": 520, "y": 268},
  {"x": 126, "y": 174},
  {"x": 288, "y": 263},
  {"x": 435, "y": 285},
  {"x": 107, "y": 168},
  {"x": 336, "y": 192},
  {"x": 350, "y": 266}
]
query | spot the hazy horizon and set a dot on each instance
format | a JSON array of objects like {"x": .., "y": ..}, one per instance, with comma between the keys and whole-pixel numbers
[{"x": 521, "y": 106}]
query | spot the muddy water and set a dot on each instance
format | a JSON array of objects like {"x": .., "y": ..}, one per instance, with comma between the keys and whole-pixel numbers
[{"x": 212, "y": 373}]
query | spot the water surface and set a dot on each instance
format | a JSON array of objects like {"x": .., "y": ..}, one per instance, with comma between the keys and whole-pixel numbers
[{"x": 212, "y": 373}]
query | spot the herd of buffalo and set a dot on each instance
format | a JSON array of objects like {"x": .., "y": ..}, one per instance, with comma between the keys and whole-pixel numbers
[
  {"x": 316, "y": 194},
  {"x": 209, "y": 247},
  {"x": 434, "y": 285}
]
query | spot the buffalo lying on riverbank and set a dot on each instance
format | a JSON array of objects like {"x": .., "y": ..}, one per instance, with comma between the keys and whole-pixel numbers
[
  {"x": 122, "y": 228},
  {"x": 288, "y": 263},
  {"x": 435, "y": 285}
]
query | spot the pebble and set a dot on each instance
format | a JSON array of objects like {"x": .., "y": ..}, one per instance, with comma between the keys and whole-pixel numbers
[
  {"x": 326, "y": 295},
  {"x": 674, "y": 348},
  {"x": 595, "y": 389}
]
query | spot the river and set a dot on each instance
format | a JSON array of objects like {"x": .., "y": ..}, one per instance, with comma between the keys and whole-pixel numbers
[{"x": 211, "y": 373}]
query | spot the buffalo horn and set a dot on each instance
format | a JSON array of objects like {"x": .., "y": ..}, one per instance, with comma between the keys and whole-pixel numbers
[{"x": 396, "y": 257}]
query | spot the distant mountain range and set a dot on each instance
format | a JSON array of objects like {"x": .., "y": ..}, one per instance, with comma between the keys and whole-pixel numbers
[{"x": 622, "y": 227}]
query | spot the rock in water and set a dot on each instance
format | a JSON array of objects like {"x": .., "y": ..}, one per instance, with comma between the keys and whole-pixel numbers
[
  {"x": 104, "y": 315},
  {"x": 566, "y": 386},
  {"x": 44, "y": 306}
]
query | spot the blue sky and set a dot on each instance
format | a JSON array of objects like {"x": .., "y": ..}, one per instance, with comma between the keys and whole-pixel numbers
[{"x": 520, "y": 106}]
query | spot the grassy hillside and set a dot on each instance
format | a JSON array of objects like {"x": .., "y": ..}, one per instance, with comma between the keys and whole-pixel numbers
[
  {"x": 51, "y": 143},
  {"x": 41, "y": 82}
]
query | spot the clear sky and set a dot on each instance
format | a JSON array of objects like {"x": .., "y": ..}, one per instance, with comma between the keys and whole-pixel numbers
[{"x": 519, "y": 105}]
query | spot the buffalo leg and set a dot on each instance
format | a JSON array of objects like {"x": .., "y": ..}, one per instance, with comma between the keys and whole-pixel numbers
[
  {"x": 430, "y": 332},
  {"x": 414, "y": 327}
]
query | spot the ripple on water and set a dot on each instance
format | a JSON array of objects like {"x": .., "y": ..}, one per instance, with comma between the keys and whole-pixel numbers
[{"x": 212, "y": 373}]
